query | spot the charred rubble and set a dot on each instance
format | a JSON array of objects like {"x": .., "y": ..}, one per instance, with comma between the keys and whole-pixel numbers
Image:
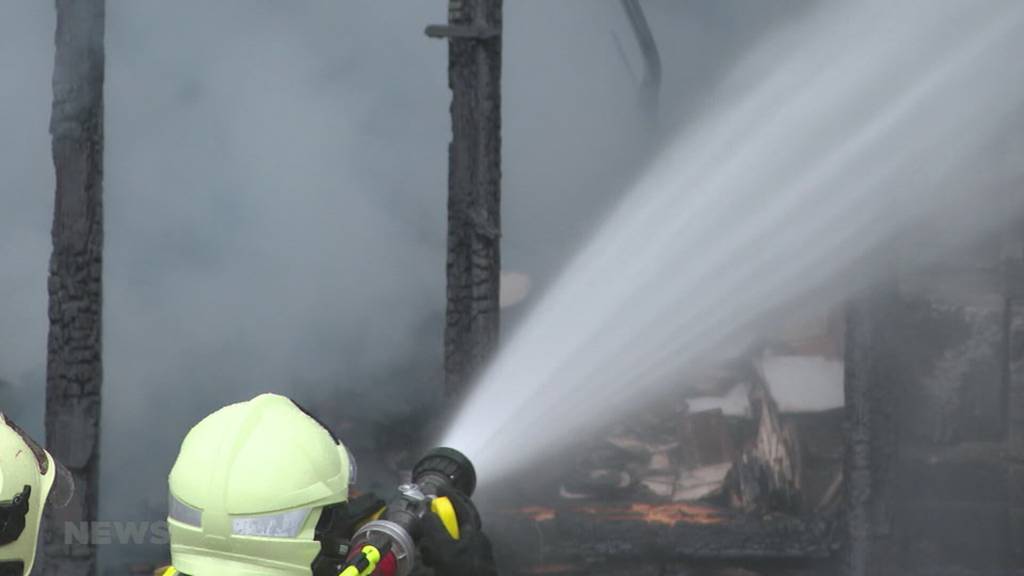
[
  {"x": 917, "y": 471},
  {"x": 722, "y": 478}
]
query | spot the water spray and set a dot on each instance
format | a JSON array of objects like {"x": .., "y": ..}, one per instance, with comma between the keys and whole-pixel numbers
[{"x": 833, "y": 137}]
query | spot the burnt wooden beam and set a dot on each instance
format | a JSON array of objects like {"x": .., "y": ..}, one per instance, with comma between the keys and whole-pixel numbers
[
  {"x": 858, "y": 380},
  {"x": 74, "y": 361},
  {"x": 474, "y": 188}
]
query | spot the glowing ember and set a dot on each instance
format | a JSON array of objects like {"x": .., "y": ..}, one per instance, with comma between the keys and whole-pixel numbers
[
  {"x": 670, "y": 514},
  {"x": 666, "y": 514},
  {"x": 537, "y": 513}
]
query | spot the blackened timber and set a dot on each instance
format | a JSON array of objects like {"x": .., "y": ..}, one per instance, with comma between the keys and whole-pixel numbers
[
  {"x": 474, "y": 188},
  {"x": 873, "y": 398},
  {"x": 74, "y": 368},
  {"x": 858, "y": 368},
  {"x": 1015, "y": 388}
]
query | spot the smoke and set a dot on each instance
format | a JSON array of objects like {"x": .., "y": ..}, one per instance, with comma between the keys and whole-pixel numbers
[
  {"x": 26, "y": 205},
  {"x": 275, "y": 186},
  {"x": 847, "y": 129},
  {"x": 275, "y": 221}
]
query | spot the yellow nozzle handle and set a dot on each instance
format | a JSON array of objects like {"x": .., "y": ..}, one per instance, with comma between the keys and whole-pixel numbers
[
  {"x": 446, "y": 512},
  {"x": 364, "y": 564}
]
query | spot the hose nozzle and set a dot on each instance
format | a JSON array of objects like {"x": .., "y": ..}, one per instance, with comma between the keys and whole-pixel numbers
[
  {"x": 445, "y": 467},
  {"x": 398, "y": 529}
]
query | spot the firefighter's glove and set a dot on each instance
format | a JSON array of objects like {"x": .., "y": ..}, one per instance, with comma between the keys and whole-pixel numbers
[{"x": 470, "y": 555}]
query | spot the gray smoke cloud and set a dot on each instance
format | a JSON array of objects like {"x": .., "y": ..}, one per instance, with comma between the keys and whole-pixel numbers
[
  {"x": 275, "y": 183},
  {"x": 26, "y": 194}
]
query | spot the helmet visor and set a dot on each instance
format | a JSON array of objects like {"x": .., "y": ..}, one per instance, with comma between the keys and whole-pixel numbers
[
  {"x": 63, "y": 486},
  {"x": 286, "y": 524},
  {"x": 353, "y": 469}
]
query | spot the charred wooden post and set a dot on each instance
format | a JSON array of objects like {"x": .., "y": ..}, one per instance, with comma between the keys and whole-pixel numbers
[
  {"x": 1014, "y": 274},
  {"x": 858, "y": 380},
  {"x": 872, "y": 382},
  {"x": 474, "y": 187},
  {"x": 74, "y": 362}
]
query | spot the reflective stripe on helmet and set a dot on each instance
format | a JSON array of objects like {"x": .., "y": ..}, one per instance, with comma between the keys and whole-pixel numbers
[{"x": 285, "y": 524}]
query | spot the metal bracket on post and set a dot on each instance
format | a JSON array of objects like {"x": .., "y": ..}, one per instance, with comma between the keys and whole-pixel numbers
[{"x": 460, "y": 31}]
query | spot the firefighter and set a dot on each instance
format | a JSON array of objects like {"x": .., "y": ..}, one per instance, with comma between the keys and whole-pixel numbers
[
  {"x": 263, "y": 488},
  {"x": 29, "y": 479}
]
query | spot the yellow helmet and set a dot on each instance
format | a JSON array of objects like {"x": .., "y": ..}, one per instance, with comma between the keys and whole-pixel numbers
[
  {"x": 248, "y": 489},
  {"x": 29, "y": 478}
]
